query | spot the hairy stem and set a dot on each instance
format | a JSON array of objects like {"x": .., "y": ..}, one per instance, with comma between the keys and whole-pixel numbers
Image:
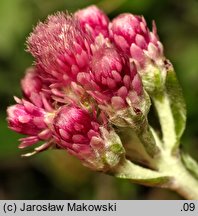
[
  {"x": 183, "y": 182},
  {"x": 171, "y": 174}
]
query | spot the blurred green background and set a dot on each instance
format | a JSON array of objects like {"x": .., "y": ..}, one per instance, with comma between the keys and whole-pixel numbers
[{"x": 54, "y": 174}]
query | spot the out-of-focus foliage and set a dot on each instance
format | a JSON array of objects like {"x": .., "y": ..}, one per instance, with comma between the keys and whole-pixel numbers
[{"x": 55, "y": 174}]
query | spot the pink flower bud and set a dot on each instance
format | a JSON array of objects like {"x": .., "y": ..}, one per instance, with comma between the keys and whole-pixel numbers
[
  {"x": 111, "y": 80},
  {"x": 44, "y": 93},
  {"x": 31, "y": 83},
  {"x": 60, "y": 47},
  {"x": 93, "y": 21},
  {"x": 28, "y": 119},
  {"x": 131, "y": 35},
  {"x": 80, "y": 133},
  {"x": 36, "y": 90}
]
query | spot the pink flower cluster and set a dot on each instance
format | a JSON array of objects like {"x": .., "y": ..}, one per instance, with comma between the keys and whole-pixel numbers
[{"x": 85, "y": 68}]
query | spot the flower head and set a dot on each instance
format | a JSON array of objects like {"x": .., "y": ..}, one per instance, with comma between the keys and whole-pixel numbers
[
  {"x": 114, "y": 83},
  {"x": 110, "y": 79},
  {"x": 60, "y": 47},
  {"x": 36, "y": 90},
  {"x": 93, "y": 21},
  {"x": 28, "y": 119},
  {"x": 87, "y": 67},
  {"x": 131, "y": 34},
  {"x": 81, "y": 134},
  {"x": 31, "y": 83}
]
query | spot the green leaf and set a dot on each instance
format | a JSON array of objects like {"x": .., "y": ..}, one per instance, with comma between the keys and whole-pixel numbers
[
  {"x": 141, "y": 175},
  {"x": 177, "y": 103},
  {"x": 135, "y": 150},
  {"x": 190, "y": 164},
  {"x": 171, "y": 110}
]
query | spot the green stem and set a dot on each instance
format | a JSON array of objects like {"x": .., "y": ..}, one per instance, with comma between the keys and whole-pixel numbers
[
  {"x": 171, "y": 174},
  {"x": 169, "y": 161},
  {"x": 183, "y": 182}
]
